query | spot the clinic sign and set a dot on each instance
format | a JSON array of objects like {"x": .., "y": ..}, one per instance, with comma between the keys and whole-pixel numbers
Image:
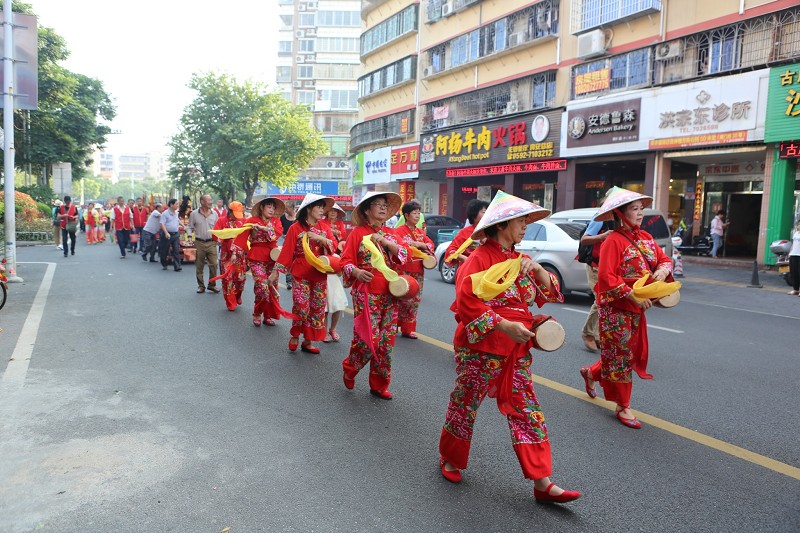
[
  {"x": 530, "y": 137},
  {"x": 783, "y": 104}
]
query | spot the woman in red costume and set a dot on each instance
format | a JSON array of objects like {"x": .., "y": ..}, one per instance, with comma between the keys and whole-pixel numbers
[
  {"x": 337, "y": 299},
  {"x": 232, "y": 256},
  {"x": 264, "y": 236},
  {"x": 415, "y": 237},
  {"x": 374, "y": 308},
  {"x": 309, "y": 288},
  {"x": 475, "y": 210},
  {"x": 91, "y": 232},
  {"x": 626, "y": 254},
  {"x": 494, "y": 289}
]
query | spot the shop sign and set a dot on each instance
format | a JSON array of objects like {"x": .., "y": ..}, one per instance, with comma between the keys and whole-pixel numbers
[
  {"x": 783, "y": 104},
  {"x": 358, "y": 170},
  {"x": 407, "y": 190},
  {"x": 593, "y": 81},
  {"x": 405, "y": 162},
  {"x": 301, "y": 188},
  {"x": 710, "y": 112},
  {"x": 789, "y": 150},
  {"x": 747, "y": 167},
  {"x": 377, "y": 168},
  {"x": 698, "y": 201},
  {"x": 610, "y": 123},
  {"x": 531, "y": 137},
  {"x": 515, "y": 168}
]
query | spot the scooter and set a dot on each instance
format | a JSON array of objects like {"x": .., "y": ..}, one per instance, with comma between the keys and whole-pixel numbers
[
  {"x": 781, "y": 250},
  {"x": 700, "y": 245}
]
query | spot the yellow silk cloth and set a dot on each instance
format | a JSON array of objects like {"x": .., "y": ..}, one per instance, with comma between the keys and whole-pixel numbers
[
  {"x": 464, "y": 245},
  {"x": 312, "y": 259},
  {"x": 417, "y": 253},
  {"x": 230, "y": 233},
  {"x": 654, "y": 290},
  {"x": 486, "y": 284},
  {"x": 377, "y": 260}
]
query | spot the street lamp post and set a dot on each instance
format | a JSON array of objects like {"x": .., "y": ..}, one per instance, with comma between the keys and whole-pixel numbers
[{"x": 8, "y": 141}]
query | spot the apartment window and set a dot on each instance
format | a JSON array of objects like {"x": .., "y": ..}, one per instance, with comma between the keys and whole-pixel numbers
[
  {"x": 283, "y": 74},
  {"x": 305, "y": 72},
  {"x": 395, "y": 26},
  {"x": 338, "y": 145},
  {"x": 339, "y": 18},
  {"x": 434, "y": 8},
  {"x": 306, "y": 20},
  {"x": 595, "y": 13},
  {"x": 306, "y": 45},
  {"x": 305, "y": 97},
  {"x": 392, "y": 126},
  {"x": 336, "y": 71},
  {"x": 284, "y": 47},
  {"x": 390, "y": 75},
  {"x": 337, "y": 100},
  {"x": 626, "y": 71},
  {"x": 337, "y": 44}
]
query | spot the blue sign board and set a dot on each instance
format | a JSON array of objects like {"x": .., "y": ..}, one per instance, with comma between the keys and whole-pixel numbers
[{"x": 325, "y": 188}]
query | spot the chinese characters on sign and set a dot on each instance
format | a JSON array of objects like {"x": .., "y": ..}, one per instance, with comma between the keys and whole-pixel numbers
[
  {"x": 789, "y": 150},
  {"x": 789, "y": 78},
  {"x": 405, "y": 160},
  {"x": 610, "y": 123},
  {"x": 783, "y": 104},
  {"x": 534, "y": 166},
  {"x": 593, "y": 81}
]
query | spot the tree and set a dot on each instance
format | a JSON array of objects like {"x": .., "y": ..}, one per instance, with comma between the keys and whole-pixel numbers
[
  {"x": 234, "y": 137},
  {"x": 68, "y": 126}
]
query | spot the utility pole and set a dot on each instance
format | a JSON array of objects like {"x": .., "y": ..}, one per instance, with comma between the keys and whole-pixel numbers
[{"x": 8, "y": 141}]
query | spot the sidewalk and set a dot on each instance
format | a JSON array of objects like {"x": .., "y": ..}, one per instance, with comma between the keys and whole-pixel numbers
[{"x": 730, "y": 272}]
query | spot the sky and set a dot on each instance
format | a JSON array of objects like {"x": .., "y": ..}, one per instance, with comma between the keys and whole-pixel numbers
[{"x": 145, "y": 52}]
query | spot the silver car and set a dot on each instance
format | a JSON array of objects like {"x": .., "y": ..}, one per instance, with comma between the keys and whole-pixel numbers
[{"x": 552, "y": 244}]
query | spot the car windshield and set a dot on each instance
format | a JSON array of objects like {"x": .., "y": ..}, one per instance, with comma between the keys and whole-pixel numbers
[
  {"x": 572, "y": 229},
  {"x": 655, "y": 226}
]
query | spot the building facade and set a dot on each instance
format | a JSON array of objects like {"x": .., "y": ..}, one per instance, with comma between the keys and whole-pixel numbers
[{"x": 558, "y": 100}]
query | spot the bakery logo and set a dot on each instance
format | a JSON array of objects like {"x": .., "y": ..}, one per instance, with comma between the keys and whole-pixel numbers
[{"x": 576, "y": 127}]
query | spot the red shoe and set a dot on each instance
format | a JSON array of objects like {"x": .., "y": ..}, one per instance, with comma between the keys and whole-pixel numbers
[
  {"x": 309, "y": 348},
  {"x": 453, "y": 476},
  {"x": 564, "y": 497},
  {"x": 630, "y": 422},
  {"x": 589, "y": 390},
  {"x": 410, "y": 335},
  {"x": 269, "y": 322},
  {"x": 293, "y": 344},
  {"x": 239, "y": 299},
  {"x": 257, "y": 321},
  {"x": 382, "y": 394},
  {"x": 348, "y": 378}
]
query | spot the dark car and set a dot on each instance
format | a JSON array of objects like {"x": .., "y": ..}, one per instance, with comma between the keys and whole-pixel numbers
[{"x": 436, "y": 223}]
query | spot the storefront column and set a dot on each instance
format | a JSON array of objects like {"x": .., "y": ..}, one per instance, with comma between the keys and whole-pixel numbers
[
  {"x": 663, "y": 168},
  {"x": 565, "y": 199},
  {"x": 650, "y": 173},
  {"x": 510, "y": 185},
  {"x": 780, "y": 216}
]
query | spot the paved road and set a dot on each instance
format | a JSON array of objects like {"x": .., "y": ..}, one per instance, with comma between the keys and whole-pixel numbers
[{"x": 145, "y": 406}]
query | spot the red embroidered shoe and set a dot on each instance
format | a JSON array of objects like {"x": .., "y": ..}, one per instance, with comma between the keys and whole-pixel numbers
[
  {"x": 309, "y": 348},
  {"x": 382, "y": 394},
  {"x": 564, "y": 497},
  {"x": 257, "y": 321},
  {"x": 293, "y": 344},
  {"x": 453, "y": 476},
  {"x": 349, "y": 378},
  {"x": 410, "y": 335},
  {"x": 630, "y": 422},
  {"x": 589, "y": 390},
  {"x": 269, "y": 322}
]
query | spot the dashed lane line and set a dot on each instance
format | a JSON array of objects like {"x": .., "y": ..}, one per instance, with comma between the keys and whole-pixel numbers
[{"x": 649, "y": 325}]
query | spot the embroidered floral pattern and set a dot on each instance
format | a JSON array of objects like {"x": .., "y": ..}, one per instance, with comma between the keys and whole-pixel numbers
[
  {"x": 309, "y": 300},
  {"x": 617, "y": 329},
  {"x": 382, "y": 309},
  {"x": 261, "y": 271},
  {"x": 407, "y": 314}
]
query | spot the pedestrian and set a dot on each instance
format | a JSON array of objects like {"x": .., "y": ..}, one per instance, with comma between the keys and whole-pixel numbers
[
  {"x": 90, "y": 222},
  {"x": 287, "y": 219},
  {"x": 369, "y": 253},
  {"x": 232, "y": 254},
  {"x": 140, "y": 216},
  {"x": 201, "y": 222},
  {"x": 493, "y": 339},
  {"x": 462, "y": 244},
  {"x": 413, "y": 237},
  {"x": 305, "y": 241},
  {"x": 149, "y": 233},
  {"x": 106, "y": 219},
  {"x": 794, "y": 261},
  {"x": 184, "y": 210},
  {"x": 718, "y": 226},
  {"x": 122, "y": 216},
  {"x": 264, "y": 235},
  {"x": 170, "y": 236},
  {"x": 57, "y": 224},
  {"x": 68, "y": 220},
  {"x": 219, "y": 209},
  {"x": 625, "y": 255},
  {"x": 337, "y": 298}
]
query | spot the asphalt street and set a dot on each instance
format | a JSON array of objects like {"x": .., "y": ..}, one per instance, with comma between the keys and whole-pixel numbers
[{"x": 131, "y": 403}]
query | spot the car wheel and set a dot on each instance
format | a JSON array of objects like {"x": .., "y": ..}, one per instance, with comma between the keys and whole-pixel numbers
[
  {"x": 448, "y": 272},
  {"x": 553, "y": 270}
]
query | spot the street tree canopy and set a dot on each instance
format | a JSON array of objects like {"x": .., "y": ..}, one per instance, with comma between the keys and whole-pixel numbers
[{"x": 235, "y": 136}]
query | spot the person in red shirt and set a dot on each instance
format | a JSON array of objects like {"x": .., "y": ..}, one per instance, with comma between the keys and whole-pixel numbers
[
  {"x": 414, "y": 237},
  {"x": 233, "y": 255},
  {"x": 475, "y": 210},
  {"x": 374, "y": 308},
  {"x": 264, "y": 236},
  {"x": 68, "y": 218},
  {"x": 122, "y": 216},
  {"x": 91, "y": 231},
  {"x": 140, "y": 215},
  {"x": 492, "y": 345},
  {"x": 309, "y": 288}
]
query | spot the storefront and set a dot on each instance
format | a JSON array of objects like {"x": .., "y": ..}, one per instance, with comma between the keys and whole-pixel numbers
[{"x": 520, "y": 155}]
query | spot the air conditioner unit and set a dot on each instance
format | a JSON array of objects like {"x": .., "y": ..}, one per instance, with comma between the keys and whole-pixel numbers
[
  {"x": 342, "y": 164},
  {"x": 671, "y": 50},
  {"x": 591, "y": 44},
  {"x": 311, "y": 31},
  {"x": 297, "y": 84},
  {"x": 516, "y": 39},
  {"x": 447, "y": 9},
  {"x": 512, "y": 107},
  {"x": 428, "y": 71},
  {"x": 311, "y": 5},
  {"x": 300, "y": 59},
  {"x": 299, "y": 33},
  {"x": 330, "y": 164},
  {"x": 301, "y": 7},
  {"x": 311, "y": 59}
]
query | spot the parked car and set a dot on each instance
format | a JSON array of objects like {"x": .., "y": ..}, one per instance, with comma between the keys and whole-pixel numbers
[
  {"x": 654, "y": 223},
  {"x": 440, "y": 223},
  {"x": 551, "y": 243}
]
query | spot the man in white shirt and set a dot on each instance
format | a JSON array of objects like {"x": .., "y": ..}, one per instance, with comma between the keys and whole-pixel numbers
[
  {"x": 149, "y": 232},
  {"x": 717, "y": 232},
  {"x": 201, "y": 222}
]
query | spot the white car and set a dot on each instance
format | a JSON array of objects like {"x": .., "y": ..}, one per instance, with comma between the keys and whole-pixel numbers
[{"x": 553, "y": 244}]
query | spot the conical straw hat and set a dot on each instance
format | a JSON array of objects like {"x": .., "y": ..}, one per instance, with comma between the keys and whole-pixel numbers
[
  {"x": 310, "y": 198},
  {"x": 617, "y": 197},
  {"x": 258, "y": 205},
  {"x": 392, "y": 198},
  {"x": 505, "y": 207}
]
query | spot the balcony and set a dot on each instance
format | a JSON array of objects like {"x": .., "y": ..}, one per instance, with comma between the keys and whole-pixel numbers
[{"x": 590, "y": 14}]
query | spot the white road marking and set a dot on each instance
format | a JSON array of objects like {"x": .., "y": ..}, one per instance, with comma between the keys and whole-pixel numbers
[
  {"x": 745, "y": 310},
  {"x": 670, "y": 330}
]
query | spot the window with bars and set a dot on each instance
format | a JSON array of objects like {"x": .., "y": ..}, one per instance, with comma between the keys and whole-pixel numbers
[
  {"x": 383, "y": 78},
  {"x": 395, "y": 26},
  {"x": 391, "y": 126},
  {"x": 526, "y": 25},
  {"x": 589, "y": 14},
  {"x": 337, "y": 44},
  {"x": 524, "y": 94},
  {"x": 626, "y": 71},
  {"x": 436, "y": 9}
]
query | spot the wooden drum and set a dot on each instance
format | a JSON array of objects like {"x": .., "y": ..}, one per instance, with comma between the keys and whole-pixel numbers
[
  {"x": 670, "y": 300},
  {"x": 550, "y": 335},
  {"x": 429, "y": 262},
  {"x": 275, "y": 253},
  {"x": 333, "y": 261},
  {"x": 405, "y": 287}
]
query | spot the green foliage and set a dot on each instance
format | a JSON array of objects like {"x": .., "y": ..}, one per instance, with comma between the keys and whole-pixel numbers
[
  {"x": 234, "y": 137},
  {"x": 45, "y": 210},
  {"x": 40, "y": 193}
]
